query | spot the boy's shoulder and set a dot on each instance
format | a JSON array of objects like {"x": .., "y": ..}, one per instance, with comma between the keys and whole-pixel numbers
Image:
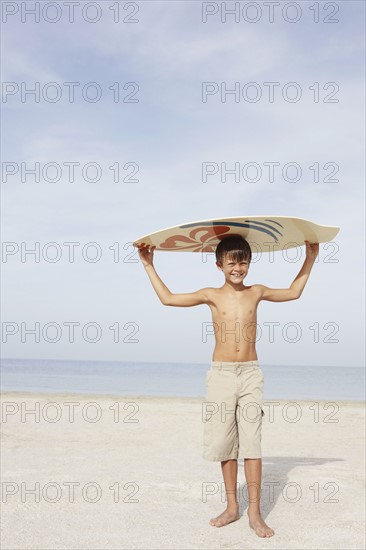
[
  {"x": 209, "y": 293},
  {"x": 211, "y": 289}
]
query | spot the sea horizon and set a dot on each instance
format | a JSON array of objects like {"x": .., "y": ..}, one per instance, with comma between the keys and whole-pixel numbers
[{"x": 173, "y": 379}]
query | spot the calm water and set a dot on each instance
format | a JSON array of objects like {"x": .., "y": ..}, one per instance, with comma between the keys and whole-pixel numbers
[{"x": 174, "y": 379}]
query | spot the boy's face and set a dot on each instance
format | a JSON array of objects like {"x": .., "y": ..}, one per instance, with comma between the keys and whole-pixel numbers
[{"x": 234, "y": 271}]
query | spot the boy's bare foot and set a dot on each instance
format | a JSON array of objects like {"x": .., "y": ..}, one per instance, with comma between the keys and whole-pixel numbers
[
  {"x": 230, "y": 515},
  {"x": 260, "y": 527}
]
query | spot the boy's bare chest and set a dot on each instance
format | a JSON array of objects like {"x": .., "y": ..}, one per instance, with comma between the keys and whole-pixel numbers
[{"x": 233, "y": 309}]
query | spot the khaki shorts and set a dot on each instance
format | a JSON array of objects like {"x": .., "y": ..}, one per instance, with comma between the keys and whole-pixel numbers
[{"x": 233, "y": 410}]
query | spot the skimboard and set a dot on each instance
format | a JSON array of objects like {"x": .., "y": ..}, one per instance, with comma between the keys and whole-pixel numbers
[{"x": 263, "y": 233}]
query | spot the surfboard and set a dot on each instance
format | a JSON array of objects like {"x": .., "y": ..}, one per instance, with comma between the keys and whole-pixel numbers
[{"x": 263, "y": 233}]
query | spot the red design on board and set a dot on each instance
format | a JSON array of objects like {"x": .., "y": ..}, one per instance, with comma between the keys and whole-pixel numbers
[{"x": 201, "y": 239}]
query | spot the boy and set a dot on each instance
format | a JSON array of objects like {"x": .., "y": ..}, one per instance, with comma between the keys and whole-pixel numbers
[{"x": 235, "y": 380}]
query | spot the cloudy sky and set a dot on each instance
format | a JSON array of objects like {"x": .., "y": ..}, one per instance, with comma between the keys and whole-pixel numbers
[{"x": 108, "y": 117}]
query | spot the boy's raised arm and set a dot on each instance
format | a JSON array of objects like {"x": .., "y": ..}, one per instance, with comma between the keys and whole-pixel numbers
[
  {"x": 295, "y": 290},
  {"x": 165, "y": 296}
]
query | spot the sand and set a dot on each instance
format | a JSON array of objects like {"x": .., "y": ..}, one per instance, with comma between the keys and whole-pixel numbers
[{"x": 128, "y": 473}]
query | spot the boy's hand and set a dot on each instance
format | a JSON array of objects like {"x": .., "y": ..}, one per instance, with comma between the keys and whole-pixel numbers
[
  {"x": 312, "y": 251},
  {"x": 146, "y": 253}
]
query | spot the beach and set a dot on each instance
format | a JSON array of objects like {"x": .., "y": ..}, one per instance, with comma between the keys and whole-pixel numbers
[{"x": 94, "y": 472}]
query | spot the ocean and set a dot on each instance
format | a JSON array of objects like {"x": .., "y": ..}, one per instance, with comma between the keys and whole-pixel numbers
[{"x": 173, "y": 379}]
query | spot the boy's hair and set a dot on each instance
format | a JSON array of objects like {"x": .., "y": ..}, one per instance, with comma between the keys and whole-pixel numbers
[{"x": 234, "y": 247}]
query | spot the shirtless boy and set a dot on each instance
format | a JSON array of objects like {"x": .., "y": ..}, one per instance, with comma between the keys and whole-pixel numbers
[{"x": 235, "y": 370}]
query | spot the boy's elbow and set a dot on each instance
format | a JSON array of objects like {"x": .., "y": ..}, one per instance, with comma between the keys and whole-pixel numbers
[
  {"x": 295, "y": 293},
  {"x": 166, "y": 300}
]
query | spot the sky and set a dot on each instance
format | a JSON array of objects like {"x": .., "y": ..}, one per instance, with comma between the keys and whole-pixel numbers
[{"x": 129, "y": 101}]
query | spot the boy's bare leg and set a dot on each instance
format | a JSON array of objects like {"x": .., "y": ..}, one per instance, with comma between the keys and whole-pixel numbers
[
  {"x": 230, "y": 474},
  {"x": 253, "y": 475}
]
